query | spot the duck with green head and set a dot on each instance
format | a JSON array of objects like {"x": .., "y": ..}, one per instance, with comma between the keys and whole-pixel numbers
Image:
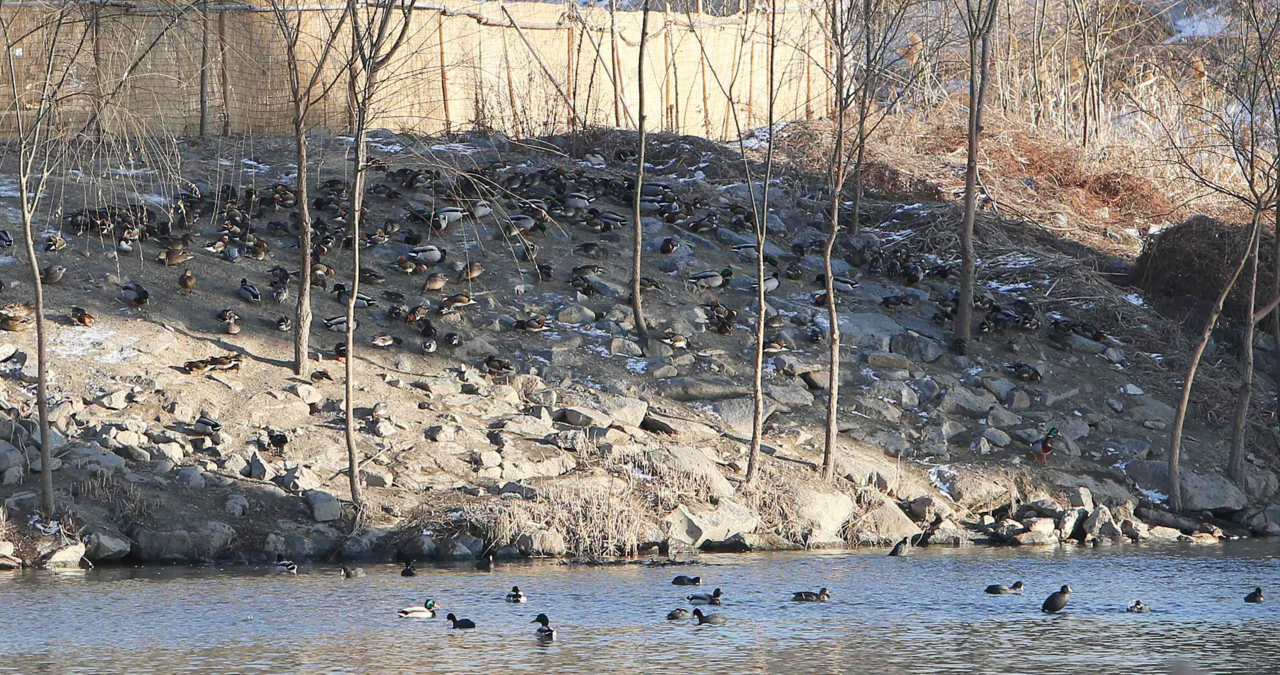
[{"x": 426, "y": 611}]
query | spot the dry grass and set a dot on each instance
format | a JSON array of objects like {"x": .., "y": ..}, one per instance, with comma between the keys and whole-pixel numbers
[{"x": 126, "y": 503}]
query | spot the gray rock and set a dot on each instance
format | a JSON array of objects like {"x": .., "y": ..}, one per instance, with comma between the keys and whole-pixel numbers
[
  {"x": 1100, "y": 524},
  {"x": 584, "y": 417},
  {"x": 64, "y": 557},
  {"x": 11, "y": 476},
  {"x": 694, "y": 528},
  {"x": 973, "y": 492},
  {"x": 1114, "y": 355},
  {"x": 1071, "y": 523},
  {"x": 1131, "y": 390},
  {"x": 1115, "y": 405},
  {"x": 928, "y": 389},
  {"x": 820, "y": 514},
  {"x": 259, "y": 468},
  {"x": 576, "y": 314},
  {"x": 738, "y": 414},
  {"x": 1084, "y": 345},
  {"x": 961, "y": 400},
  {"x": 190, "y": 476},
  {"x": 103, "y": 546},
  {"x": 952, "y": 428},
  {"x": 629, "y": 411},
  {"x": 83, "y": 457},
  {"x": 1018, "y": 400},
  {"x": 999, "y": 386},
  {"x": 1153, "y": 410},
  {"x": 1003, "y": 419},
  {"x": 324, "y": 506},
  {"x": 419, "y": 547},
  {"x": 542, "y": 543},
  {"x": 695, "y": 462},
  {"x": 875, "y": 408},
  {"x": 116, "y": 400},
  {"x": 997, "y": 437},
  {"x": 609, "y": 288},
  {"x": 235, "y": 465},
  {"x": 884, "y": 523},
  {"x": 888, "y": 361},
  {"x": 307, "y": 393},
  {"x": 625, "y": 347},
  {"x": 915, "y": 347},
  {"x": 898, "y": 393},
  {"x": 1082, "y": 497},
  {"x": 237, "y": 504},
  {"x": 868, "y": 330},
  {"x": 1036, "y": 538},
  {"x": 376, "y": 476}
]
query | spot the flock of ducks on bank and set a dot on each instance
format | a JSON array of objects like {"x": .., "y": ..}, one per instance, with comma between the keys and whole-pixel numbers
[
  {"x": 1056, "y": 602},
  {"x": 250, "y": 222}
]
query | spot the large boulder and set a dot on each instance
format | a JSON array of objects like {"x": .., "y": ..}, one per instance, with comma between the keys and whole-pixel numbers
[
  {"x": 1100, "y": 525},
  {"x": 871, "y": 330},
  {"x": 883, "y": 524},
  {"x": 820, "y": 514},
  {"x": 324, "y": 506},
  {"x": 629, "y": 411},
  {"x": 419, "y": 547},
  {"x": 103, "y": 546},
  {"x": 738, "y": 414},
  {"x": 961, "y": 400},
  {"x": 972, "y": 491},
  {"x": 542, "y": 543},
  {"x": 1200, "y": 492},
  {"x": 697, "y": 463},
  {"x": 63, "y": 557},
  {"x": 210, "y": 541},
  {"x": 695, "y": 528}
]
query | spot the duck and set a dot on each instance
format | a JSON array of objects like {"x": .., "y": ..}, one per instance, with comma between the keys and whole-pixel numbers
[
  {"x": 173, "y": 257},
  {"x": 592, "y": 250},
  {"x": 683, "y": 580},
  {"x": 436, "y": 282},
  {"x": 459, "y": 624},
  {"x": 809, "y": 596},
  {"x": 537, "y": 324},
  {"x": 352, "y": 572},
  {"x": 1056, "y": 601},
  {"x": 775, "y": 347},
  {"x": 471, "y": 272},
  {"x": 1040, "y": 449},
  {"x": 516, "y": 595},
  {"x": 545, "y": 631},
  {"x": 279, "y": 293},
  {"x": 1255, "y": 597},
  {"x": 187, "y": 282},
  {"x": 16, "y": 324},
  {"x": 1001, "y": 589},
  {"x": 426, "y": 611},
  {"x": 713, "y": 619},
  {"x": 519, "y": 225},
  {"x": 429, "y": 254},
  {"x": 409, "y": 570},
  {"x": 712, "y": 278},
  {"x": 901, "y": 548},
  {"x": 771, "y": 283},
  {"x": 337, "y": 324},
  {"x": 53, "y": 274},
  {"x": 679, "y": 614},
  {"x": 675, "y": 341},
  {"x": 1138, "y": 608},
  {"x": 480, "y": 208},
  {"x": 81, "y": 317},
  {"x": 497, "y": 366},
  {"x": 54, "y": 243},
  {"x": 1026, "y": 372},
  {"x": 249, "y": 292},
  {"x": 285, "y": 566},
  {"x": 705, "y": 598},
  {"x": 485, "y": 564},
  {"x": 207, "y": 426},
  {"x": 284, "y": 324},
  {"x": 669, "y": 245}
]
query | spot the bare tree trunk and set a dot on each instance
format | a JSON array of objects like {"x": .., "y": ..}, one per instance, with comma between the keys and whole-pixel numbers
[
  {"x": 637, "y": 245},
  {"x": 977, "y": 93},
  {"x": 762, "y": 235},
  {"x": 357, "y": 202},
  {"x": 1275, "y": 293},
  {"x": 835, "y": 180},
  {"x": 1235, "y": 464},
  {"x": 42, "y": 392},
  {"x": 302, "y": 315},
  {"x": 204, "y": 66},
  {"x": 1180, "y": 417}
]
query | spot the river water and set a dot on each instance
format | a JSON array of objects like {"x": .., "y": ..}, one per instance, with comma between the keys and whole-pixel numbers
[{"x": 925, "y": 613}]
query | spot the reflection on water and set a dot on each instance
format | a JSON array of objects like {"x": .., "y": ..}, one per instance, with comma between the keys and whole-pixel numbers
[{"x": 922, "y": 614}]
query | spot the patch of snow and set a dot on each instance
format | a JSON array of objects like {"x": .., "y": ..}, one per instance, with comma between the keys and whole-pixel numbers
[
  {"x": 1153, "y": 495},
  {"x": 83, "y": 341},
  {"x": 9, "y": 187},
  {"x": 382, "y": 147},
  {"x": 1206, "y": 25},
  {"x": 140, "y": 171},
  {"x": 638, "y": 366},
  {"x": 1013, "y": 261},
  {"x": 154, "y": 199},
  {"x": 251, "y": 166},
  {"x": 11, "y": 214},
  {"x": 939, "y": 476},
  {"x": 1136, "y": 300},
  {"x": 456, "y": 148}
]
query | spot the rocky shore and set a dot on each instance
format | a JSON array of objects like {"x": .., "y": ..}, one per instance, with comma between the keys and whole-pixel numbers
[{"x": 599, "y": 443}]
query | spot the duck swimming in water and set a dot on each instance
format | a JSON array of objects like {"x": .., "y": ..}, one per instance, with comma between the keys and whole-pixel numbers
[
  {"x": 459, "y": 624},
  {"x": 713, "y": 619},
  {"x": 426, "y": 611},
  {"x": 810, "y": 596},
  {"x": 517, "y": 595},
  {"x": 1255, "y": 597},
  {"x": 1056, "y": 601},
  {"x": 409, "y": 570},
  {"x": 545, "y": 631},
  {"x": 284, "y": 566},
  {"x": 682, "y": 580},
  {"x": 1001, "y": 589},
  {"x": 1138, "y": 608},
  {"x": 485, "y": 564},
  {"x": 705, "y": 598},
  {"x": 901, "y": 548},
  {"x": 679, "y": 614},
  {"x": 352, "y": 572}
]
